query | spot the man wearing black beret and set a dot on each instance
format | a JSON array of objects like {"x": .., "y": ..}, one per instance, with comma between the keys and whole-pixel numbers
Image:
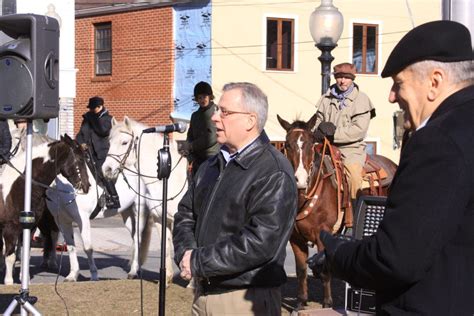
[
  {"x": 421, "y": 259},
  {"x": 94, "y": 135}
]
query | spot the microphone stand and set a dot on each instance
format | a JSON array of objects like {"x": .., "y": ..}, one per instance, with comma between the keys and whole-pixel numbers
[
  {"x": 27, "y": 221},
  {"x": 164, "y": 170}
]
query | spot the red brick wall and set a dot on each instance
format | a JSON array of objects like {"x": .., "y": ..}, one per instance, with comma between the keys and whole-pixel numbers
[{"x": 141, "y": 84}]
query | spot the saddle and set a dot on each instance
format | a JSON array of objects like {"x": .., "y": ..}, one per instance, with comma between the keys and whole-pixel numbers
[{"x": 375, "y": 177}]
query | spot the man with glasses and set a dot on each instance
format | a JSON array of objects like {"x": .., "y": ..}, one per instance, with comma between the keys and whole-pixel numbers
[{"x": 233, "y": 224}]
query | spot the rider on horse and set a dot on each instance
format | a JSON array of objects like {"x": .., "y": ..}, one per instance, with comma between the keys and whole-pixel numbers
[{"x": 343, "y": 116}]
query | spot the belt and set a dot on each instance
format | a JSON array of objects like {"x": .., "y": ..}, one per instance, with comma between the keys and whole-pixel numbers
[{"x": 206, "y": 288}]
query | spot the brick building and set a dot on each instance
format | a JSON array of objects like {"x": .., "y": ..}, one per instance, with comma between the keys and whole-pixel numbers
[{"x": 125, "y": 54}]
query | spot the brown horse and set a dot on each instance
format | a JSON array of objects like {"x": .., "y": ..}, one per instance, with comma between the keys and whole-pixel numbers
[
  {"x": 320, "y": 200},
  {"x": 48, "y": 160}
]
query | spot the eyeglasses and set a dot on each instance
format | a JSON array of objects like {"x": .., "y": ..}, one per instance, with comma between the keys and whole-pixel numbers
[{"x": 223, "y": 112}]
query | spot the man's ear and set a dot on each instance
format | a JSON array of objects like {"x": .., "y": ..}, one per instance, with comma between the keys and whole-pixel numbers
[
  {"x": 437, "y": 80},
  {"x": 251, "y": 121}
]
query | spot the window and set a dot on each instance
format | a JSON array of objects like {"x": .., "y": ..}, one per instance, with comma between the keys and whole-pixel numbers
[
  {"x": 365, "y": 46},
  {"x": 103, "y": 49},
  {"x": 280, "y": 41},
  {"x": 371, "y": 147}
]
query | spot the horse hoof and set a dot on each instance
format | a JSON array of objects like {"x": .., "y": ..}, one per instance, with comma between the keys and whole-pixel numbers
[
  {"x": 300, "y": 305},
  {"x": 131, "y": 276},
  {"x": 70, "y": 279},
  {"x": 327, "y": 304}
]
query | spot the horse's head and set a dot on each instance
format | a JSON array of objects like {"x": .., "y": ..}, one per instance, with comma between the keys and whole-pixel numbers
[
  {"x": 123, "y": 140},
  {"x": 72, "y": 162},
  {"x": 299, "y": 148}
]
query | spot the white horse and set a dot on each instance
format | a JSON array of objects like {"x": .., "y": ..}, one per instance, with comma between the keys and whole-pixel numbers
[
  {"x": 78, "y": 210},
  {"x": 129, "y": 150}
]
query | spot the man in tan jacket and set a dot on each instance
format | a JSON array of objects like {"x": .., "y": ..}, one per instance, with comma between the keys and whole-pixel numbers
[{"x": 343, "y": 116}]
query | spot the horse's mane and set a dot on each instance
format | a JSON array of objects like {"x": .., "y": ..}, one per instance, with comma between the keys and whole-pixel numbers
[{"x": 135, "y": 126}]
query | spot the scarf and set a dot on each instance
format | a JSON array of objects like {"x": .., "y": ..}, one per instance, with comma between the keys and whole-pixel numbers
[{"x": 341, "y": 96}]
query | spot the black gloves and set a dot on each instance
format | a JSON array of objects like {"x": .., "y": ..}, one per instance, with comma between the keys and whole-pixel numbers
[
  {"x": 325, "y": 129},
  {"x": 331, "y": 244}
]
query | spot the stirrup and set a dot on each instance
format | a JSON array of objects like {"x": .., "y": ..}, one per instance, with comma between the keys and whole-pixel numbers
[{"x": 112, "y": 202}]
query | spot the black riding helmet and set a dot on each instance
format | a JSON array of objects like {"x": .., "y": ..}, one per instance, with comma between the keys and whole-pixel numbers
[{"x": 203, "y": 88}]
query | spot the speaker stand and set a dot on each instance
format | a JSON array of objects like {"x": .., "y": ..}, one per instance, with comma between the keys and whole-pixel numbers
[{"x": 27, "y": 220}]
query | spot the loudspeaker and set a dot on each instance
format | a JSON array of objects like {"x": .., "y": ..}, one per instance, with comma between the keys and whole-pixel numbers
[
  {"x": 369, "y": 212},
  {"x": 29, "y": 67}
]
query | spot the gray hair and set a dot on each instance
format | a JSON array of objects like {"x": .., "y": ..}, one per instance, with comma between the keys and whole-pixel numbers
[
  {"x": 461, "y": 72},
  {"x": 253, "y": 100}
]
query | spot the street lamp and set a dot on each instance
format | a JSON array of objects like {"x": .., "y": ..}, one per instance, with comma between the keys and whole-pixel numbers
[{"x": 326, "y": 24}]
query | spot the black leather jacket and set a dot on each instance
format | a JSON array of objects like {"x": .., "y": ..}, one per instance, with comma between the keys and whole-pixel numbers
[{"x": 238, "y": 219}]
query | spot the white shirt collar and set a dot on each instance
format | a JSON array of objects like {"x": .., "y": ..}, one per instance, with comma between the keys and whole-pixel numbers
[{"x": 423, "y": 124}]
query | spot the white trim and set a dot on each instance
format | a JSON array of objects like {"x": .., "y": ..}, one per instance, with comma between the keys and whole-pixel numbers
[
  {"x": 295, "y": 18},
  {"x": 379, "y": 23}
]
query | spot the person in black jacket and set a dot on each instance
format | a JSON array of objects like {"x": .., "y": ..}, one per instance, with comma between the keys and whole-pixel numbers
[
  {"x": 93, "y": 135},
  {"x": 201, "y": 142},
  {"x": 233, "y": 224},
  {"x": 5, "y": 141},
  {"x": 421, "y": 259}
]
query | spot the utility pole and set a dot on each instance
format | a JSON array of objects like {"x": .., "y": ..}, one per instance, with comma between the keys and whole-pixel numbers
[{"x": 461, "y": 11}]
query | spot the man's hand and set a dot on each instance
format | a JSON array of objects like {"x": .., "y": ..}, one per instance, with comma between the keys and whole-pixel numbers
[
  {"x": 185, "y": 266},
  {"x": 332, "y": 243},
  {"x": 327, "y": 128}
]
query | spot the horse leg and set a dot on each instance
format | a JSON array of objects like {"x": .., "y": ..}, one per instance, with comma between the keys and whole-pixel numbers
[
  {"x": 325, "y": 279},
  {"x": 300, "y": 250},
  {"x": 68, "y": 234},
  {"x": 130, "y": 223},
  {"x": 49, "y": 230},
  {"x": 2, "y": 257},
  {"x": 85, "y": 229},
  {"x": 11, "y": 239},
  {"x": 168, "y": 259}
]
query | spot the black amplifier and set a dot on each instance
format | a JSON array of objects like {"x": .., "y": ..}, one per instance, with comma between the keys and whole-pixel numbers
[{"x": 369, "y": 212}]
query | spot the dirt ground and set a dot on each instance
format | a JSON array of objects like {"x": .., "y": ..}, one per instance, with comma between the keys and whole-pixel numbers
[{"x": 123, "y": 297}]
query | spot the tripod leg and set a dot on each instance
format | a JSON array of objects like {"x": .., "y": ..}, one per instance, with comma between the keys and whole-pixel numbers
[{"x": 11, "y": 307}]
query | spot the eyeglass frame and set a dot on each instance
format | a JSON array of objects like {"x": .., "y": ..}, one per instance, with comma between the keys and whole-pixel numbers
[{"x": 225, "y": 113}]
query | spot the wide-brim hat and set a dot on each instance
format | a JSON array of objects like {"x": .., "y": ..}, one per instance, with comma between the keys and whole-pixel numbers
[
  {"x": 345, "y": 69},
  {"x": 95, "y": 102},
  {"x": 444, "y": 41}
]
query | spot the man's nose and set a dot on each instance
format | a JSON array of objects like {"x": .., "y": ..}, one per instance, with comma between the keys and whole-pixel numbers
[{"x": 392, "y": 96}]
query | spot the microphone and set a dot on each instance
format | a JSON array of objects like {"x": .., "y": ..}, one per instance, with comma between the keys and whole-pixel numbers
[{"x": 176, "y": 127}]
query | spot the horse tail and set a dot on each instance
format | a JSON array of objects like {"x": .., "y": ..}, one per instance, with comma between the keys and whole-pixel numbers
[{"x": 146, "y": 238}]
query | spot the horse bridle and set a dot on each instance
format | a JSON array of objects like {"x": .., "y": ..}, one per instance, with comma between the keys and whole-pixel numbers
[
  {"x": 122, "y": 158},
  {"x": 313, "y": 192}
]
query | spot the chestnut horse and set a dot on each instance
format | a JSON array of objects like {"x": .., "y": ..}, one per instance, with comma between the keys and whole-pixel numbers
[{"x": 319, "y": 199}]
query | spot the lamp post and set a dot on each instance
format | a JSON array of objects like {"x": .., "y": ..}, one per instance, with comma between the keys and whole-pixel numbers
[{"x": 326, "y": 24}]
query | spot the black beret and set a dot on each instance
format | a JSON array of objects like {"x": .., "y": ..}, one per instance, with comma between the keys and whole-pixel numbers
[
  {"x": 95, "y": 102},
  {"x": 202, "y": 88},
  {"x": 444, "y": 41}
]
